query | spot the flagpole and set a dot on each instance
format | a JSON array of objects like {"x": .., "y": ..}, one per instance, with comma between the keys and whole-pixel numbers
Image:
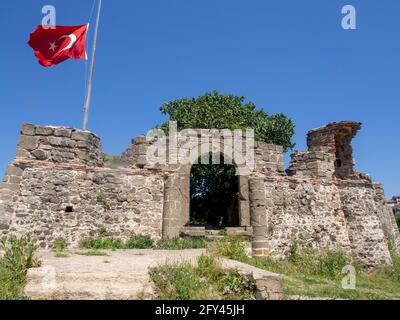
[{"x": 90, "y": 78}]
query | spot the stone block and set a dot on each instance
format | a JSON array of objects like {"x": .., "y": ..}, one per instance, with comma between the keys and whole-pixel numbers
[
  {"x": 81, "y": 136},
  {"x": 83, "y": 145},
  {"x": 14, "y": 179},
  {"x": 139, "y": 140},
  {"x": 260, "y": 231},
  {"x": 269, "y": 288},
  {"x": 40, "y": 154},
  {"x": 44, "y": 131},
  {"x": 62, "y": 132},
  {"x": 28, "y": 129},
  {"x": 14, "y": 171},
  {"x": 62, "y": 142},
  {"x": 9, "y": 186},
  {"x": 28, "y": 142},
  {"x": 4, "y": 226},
  {"x": 21, "y": 153}
]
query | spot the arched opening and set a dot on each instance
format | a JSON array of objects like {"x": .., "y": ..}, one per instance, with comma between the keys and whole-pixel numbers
[{"x": 214, "y": 195}]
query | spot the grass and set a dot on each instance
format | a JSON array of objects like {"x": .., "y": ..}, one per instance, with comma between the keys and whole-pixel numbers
[
  {"x": 312, "y": 274},
  {"x": 143, "y": 242},
  {"x": 397, "y": 217},
  {"x": 208, "y": 280},
  {"x": 93, "y": 253},
  {"x": 182, "y": 243},
  {"x": 17, "y": 259},
  {"x": 61, "y": 254},
  {"x": 140, "y": 242},
  {"x": 101, "y": 243},
  {"x": 59, "y": 246}
]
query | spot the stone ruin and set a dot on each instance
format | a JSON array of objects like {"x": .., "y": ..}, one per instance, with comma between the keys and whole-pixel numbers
[{"x": 60, "y": 185}]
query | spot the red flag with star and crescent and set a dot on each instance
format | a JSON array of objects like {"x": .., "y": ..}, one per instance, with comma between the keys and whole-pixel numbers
[{"x": 53, "y": 46}]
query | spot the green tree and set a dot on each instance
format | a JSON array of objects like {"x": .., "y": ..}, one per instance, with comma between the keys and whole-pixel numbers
[{"x": 219, "y": 111}]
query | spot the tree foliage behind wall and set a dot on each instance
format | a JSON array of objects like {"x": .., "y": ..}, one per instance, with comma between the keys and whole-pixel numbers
[{"x": 219, "y": 111}]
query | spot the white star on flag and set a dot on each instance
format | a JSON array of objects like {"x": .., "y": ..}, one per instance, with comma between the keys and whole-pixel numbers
[{"x": 53, "y": 46}]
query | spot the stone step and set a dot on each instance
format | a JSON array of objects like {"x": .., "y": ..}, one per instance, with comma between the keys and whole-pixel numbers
[
  {"x": 190, "y": 231},
  {"x": 201, "y": 231},
  {"x": 214, "y": 237},
  {"x": 88, "y": 286},
  {"x": 240, "y": 231},
  {"x": 212, "y": 232}
]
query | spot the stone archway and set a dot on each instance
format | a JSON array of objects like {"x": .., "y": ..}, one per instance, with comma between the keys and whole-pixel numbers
[
  {"x": 177, "y": 194},
  {"x": 214, "y": 194}
]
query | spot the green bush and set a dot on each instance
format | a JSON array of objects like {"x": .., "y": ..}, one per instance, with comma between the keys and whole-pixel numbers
[
  {"x": 101, "y": 243},
  {"x": 182, "y": 243},
  {"x": 207, "y": 266},
  {"x": 327, "y": 263},
  {"x": 394, "y": 270},
  {"x": 237, "y": 286},
  {"x": 302, "y": 259},
  {"x": 143, "y": 242},
  {"x": 397, "y": 217},
  {"x": 233, "y": 247},
  {"x": 17, "y": 259},
  {"x": 140, "y": 242},
  {"x": 331, "y": 263},
  {"x": 60, "y": 244},
  {"x": 18, "y": 253},
  {"x": 182, "y": 281}
]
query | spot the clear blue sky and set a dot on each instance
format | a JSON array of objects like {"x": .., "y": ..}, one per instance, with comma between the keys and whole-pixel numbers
[{"x": 286, "y": 56}]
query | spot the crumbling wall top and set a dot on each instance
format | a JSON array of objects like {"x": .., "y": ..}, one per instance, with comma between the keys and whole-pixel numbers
[
  {"x": 335, "y": 138},
  {"x": 59, "y": 145},
  {"x": 332, "y": 135}
]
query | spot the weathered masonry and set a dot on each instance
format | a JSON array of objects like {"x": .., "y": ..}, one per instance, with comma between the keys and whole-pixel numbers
[{"x": 59, "y": 186}]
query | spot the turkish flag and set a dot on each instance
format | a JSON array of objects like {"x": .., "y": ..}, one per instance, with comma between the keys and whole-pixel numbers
[{"x": 53, "y": 46}]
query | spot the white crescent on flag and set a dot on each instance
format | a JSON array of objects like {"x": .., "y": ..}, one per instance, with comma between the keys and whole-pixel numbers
[{"x": 71, "y": 43}]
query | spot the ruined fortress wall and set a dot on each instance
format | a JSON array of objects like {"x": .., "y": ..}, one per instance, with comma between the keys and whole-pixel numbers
[
  {"x": 368, "y": 240},
  {"x": 305, "y": 212},
  {"x": 323, "y": 215},
  {"x": 325, "y": 203},
  {"x": 57, "y": 186},
  {"x": 68, "y": 194},
  {"x": 73, "y": 203}
]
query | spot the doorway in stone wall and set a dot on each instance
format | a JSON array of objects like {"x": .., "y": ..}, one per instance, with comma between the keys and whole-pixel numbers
[{"x": 214, "y": 195}]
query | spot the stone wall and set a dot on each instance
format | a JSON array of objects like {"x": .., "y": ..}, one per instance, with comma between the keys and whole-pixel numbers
[
  {"x": 315, "y": 164},
  {"x": 67, "y": 193},
  {"x": 57, "y": 186},
  {"x": 324, "y": 215},
  {"x": 73, "y": 203}
]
